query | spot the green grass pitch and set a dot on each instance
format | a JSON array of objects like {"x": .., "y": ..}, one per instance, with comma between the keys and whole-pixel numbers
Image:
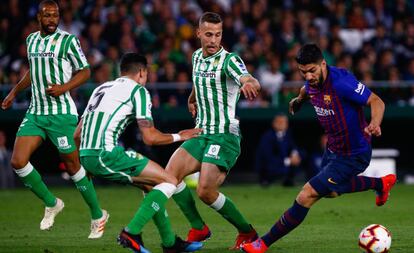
[{"x": 332, "y": 225}]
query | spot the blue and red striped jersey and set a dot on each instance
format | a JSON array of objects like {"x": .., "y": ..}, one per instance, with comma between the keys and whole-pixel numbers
[{"x": 339, "y": 103}]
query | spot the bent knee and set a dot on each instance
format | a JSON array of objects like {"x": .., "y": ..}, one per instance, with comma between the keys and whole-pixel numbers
[
  {"x": 170, "y": 179},
  {"x": 307, "y": 196},
  {"x": 18, "y": 162},
  {"x": 207, "y": 195},
  {"x": 173, "y": 171}
]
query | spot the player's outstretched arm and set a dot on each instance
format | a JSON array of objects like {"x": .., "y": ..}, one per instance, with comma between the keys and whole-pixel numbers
[
  {"x": 77, "y": 80},
  {"x": 21, "y": 85},
  {"x": 192, "y": 103},
  {"x": 250, "y": 86},
  {"x": 153, "y": 136},
  {"x": 377, "y": 113},
  {"x": 296, "y": 103}
]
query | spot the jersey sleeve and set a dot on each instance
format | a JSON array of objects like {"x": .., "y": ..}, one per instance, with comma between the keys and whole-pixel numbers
[
  {"x": 235, "y": 68},
  {"x": 353, "y": 90},
  {"x": 90, "y": 102},
  {"x": 76, "y": 56},
  {"x": 28, "y": 40},
  {"x": 142, "y": 104}
]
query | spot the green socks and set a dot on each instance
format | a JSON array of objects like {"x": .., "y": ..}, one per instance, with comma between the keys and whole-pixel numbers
[
  {"x": 85, "y": 187},
  {"x": 186, "y": 203},
  {"x": 163, "y": 224},
  {"x": 32, "y": 180},
  {"x": 222, "y": 205},
  {"x": 152, "y": 204},
  {"x": 228, "y": 210}
]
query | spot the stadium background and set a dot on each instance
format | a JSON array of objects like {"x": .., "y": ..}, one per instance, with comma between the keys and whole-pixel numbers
[{"x": 374, "y": 39}]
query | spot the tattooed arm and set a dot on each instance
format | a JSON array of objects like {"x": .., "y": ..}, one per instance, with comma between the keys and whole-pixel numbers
[{"x": 153, "y": 136}]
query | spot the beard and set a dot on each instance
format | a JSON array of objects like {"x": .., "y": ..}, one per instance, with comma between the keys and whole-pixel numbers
[
  {"x": 47, "y": 29},
  {"x": 320, "y": 81}
]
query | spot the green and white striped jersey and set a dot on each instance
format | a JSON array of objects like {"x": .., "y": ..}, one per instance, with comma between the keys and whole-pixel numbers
[
  {"x": 217, "y": 87},
  {"x": 113, "y": 106},
  {"x": 53, "y": 59}
]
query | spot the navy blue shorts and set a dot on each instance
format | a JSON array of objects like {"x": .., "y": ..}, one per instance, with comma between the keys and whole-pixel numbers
[{"x": 337, "y": 171}]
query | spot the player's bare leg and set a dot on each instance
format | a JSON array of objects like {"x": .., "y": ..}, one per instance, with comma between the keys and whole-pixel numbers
[
  {"x": 180, "y": 165},
  {"x": 211, "y": 178},
  {"x": 24, "y": 146},
  {"x": 85, "y": 186}
]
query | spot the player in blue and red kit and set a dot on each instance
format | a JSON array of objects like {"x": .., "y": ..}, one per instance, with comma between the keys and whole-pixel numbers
[{"x": 338, "y": 99}]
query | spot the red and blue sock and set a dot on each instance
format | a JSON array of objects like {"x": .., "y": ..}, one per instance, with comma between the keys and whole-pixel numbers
[
  {"x": 361, "y": 183},
  {"x": 289, "y": 221}
]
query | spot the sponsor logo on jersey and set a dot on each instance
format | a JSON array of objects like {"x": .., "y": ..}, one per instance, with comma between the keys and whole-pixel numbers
[
  {"x": 327, "y": 99},
  {"x": 213, "y": 151},
  {"x": 360, "y": 89},
  {"x": 323, "y": 112},
  {"x": 242, "y": 67},
  {"x": 208, "y": 74},
  {"x": 81, "y": 52},
  {"x": 42, "y": 55}
]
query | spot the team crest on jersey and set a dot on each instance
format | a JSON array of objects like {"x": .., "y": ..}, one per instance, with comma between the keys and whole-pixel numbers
[
  {"x": 327, "y": 99},
  {"x": 42, "y": 47},
  {"x": 203, "y": 66},
  {"x": 216, "y": 62}
]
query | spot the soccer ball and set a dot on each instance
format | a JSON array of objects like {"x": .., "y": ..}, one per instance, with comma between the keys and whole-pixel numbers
[
  {"x": 375, "y": 239},
  {"x": 192, "y": 180}
]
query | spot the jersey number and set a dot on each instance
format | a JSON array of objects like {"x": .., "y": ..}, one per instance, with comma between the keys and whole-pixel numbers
[{"x": 98, "y": 98}]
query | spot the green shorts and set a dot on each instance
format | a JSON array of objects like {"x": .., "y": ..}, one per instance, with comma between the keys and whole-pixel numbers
[
  {"x": 117, "y": 165},
  {"x": 219, "y": 149},
  {"x": 58, "y": 128}
]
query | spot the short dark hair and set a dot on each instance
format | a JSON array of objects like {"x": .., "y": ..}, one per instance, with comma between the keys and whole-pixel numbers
[
  {"x": 132, "y": 63},
  {"x": 46, "y": 2},
  {"x": 210, "y": 17},
  {"x": 309, "y": 53},
  {"x": 280, "y": 114}
]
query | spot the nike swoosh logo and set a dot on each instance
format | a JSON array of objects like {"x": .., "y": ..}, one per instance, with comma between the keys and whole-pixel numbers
[{"x": 331, "y": 181}]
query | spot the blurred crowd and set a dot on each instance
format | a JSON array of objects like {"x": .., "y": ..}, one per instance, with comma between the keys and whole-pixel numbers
[{"x": 373, "y": 38}]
